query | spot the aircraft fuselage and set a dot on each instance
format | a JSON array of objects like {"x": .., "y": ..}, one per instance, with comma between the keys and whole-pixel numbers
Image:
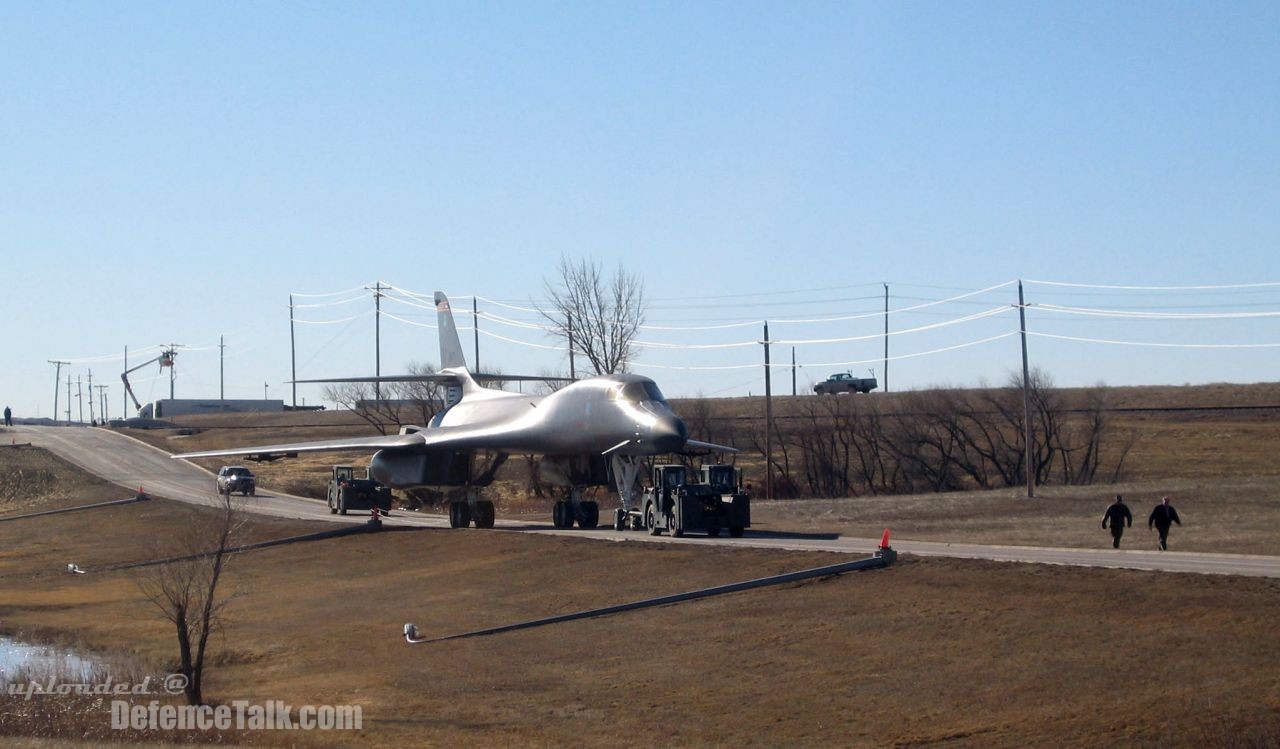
[{"x": 587, "y": 417}]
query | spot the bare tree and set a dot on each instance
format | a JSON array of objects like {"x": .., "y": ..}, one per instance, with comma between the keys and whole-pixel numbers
[
  {"x": 598, "y": 316},
  {"x": 186, "y": 588},
  {"x": 401, "y": 403}
]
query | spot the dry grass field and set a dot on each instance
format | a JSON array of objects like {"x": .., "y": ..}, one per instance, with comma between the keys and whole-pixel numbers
[{"x": 926, "y": 653}]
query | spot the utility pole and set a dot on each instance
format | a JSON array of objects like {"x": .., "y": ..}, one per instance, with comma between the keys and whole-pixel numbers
[
  {"x": 264, "y": 391},
  {"x": 1026, "y": 397},
  {"x": 293, "y": 355},
  {"x": 125, "y": 394},
  {"x": 377, "y": 338},
  {"x": 886, "y": 338},
  {"x": 57, "y": 384},
  {"x": 102, "y": 400},
  {"x": 569, "y": 319},
  {"x": 92, "y": 418},
  {"x": 768, "y": 419},
  {"x": 80, "y": 397},
  {"x": 793, "y": 370},
  {"x": 222, "y": 353},
  {"x": 68, "y": 399},
  {"x": 475, "y": 328}
]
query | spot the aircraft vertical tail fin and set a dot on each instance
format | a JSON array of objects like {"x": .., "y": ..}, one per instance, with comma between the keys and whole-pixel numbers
[{"x": 450, "y": 346}]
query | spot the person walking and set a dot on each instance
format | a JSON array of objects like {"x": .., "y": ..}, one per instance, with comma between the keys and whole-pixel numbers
[
  {"x": 1163, "y": 517},
  {"x": 8, "y": 417},
  {"x": 1119, "y": 517}
]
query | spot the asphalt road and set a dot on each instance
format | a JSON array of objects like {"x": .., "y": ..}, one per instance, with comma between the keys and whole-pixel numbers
[{"x": 133, "y": 464}]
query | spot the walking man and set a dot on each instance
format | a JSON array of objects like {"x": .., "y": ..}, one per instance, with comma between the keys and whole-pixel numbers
[
  {"x": 1163, "y": 517},
  {"x": 1119, "y": 517}
]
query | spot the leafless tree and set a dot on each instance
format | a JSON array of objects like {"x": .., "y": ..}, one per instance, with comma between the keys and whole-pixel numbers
[
  {"x": 402, "y": 402},
  {"x": 554, "y": 382},
  {"x": 599, "y": 316},
  {"x": 187, "y": 588}
]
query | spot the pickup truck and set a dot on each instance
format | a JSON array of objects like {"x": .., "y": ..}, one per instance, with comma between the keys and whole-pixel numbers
[
  {"x": 843, "y": 382},
  {"x": 236, "y": 479}
]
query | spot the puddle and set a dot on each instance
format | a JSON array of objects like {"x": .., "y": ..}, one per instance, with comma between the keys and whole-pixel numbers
[{"x": 17, "y": 657}]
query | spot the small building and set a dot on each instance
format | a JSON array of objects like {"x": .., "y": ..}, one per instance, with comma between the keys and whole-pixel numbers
[{"x": 168, "y": 407}]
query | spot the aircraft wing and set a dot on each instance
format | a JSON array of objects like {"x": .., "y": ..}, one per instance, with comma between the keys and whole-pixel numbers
[
  {"x": 696, "y": 446},
  {"x": 445, "y": 438},
  {"x": 444, "y": 378},
  {"x": 336, "y": 445}
]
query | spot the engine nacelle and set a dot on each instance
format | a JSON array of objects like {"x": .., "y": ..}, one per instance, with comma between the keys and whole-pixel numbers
[{"x": 407, "y": 469}]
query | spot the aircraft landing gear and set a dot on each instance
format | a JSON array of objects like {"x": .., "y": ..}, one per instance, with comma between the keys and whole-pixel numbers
[
  {"x": 463, "y": 511},
  {"x": 459, "y": 514},
  {"x": 566, "y": 512}
]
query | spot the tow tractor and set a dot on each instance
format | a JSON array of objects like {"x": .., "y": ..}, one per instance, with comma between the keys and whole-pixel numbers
[
  {"x": 675, "y": 504},
  {"x": 346, "y": 492}
]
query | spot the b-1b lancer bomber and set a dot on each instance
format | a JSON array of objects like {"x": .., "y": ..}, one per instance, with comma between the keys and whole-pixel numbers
[{"x": 580, "y": 431}]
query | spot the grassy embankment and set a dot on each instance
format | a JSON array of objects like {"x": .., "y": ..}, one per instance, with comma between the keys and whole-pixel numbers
[{"x": 927, "y": 652}]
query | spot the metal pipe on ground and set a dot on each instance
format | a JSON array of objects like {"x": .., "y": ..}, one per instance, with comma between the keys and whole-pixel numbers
[
  {"x": 882, "y": 558},
  {"x": 78, "y": 508},
  {"x": 320, "y": 536}
]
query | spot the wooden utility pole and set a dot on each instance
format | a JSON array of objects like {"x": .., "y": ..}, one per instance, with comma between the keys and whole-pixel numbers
[
  {"x": 173, "y": 369},
  {"x": 102, "y": 400},
  {"x": 377, "y": 339},
  {"x": 222, "y": 354},
  {"x": 886, "y": 339},
  {"x": 475, "y": 328},
  {"x": 293, "y": 356},
  {"x": 68, "y": 399},
  {"x": 125, "y": 394},
  {"x": 569, "y": 319},
  {"x": 768, "y": 419},
  {"x": 91, "y": 415},
  {"x": 80, "y": 397},
  {"x": 57, "y": 384},
  {"x": 793, "y": 370},
  {"x": 1026, "y": 397}
]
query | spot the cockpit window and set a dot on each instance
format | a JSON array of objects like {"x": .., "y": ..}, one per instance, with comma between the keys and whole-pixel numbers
[{"x": 634, "y": 392}]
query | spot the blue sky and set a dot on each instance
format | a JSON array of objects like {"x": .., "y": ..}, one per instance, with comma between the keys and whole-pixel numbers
[{"x": 171, "y": 172}]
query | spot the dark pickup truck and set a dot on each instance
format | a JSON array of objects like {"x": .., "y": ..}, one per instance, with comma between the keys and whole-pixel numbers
[{"x": 843, "y": 382}]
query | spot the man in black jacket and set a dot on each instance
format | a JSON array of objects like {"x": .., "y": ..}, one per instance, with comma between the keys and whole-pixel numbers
[
  {"x": 1163, "y": 517},
  {"x": 1119, "y": 516}
]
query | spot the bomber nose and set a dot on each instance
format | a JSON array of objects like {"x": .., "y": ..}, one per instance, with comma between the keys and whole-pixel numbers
[{"x": 669, "y": 434}]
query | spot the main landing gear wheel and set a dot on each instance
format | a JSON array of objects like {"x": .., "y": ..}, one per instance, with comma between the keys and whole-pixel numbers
[
  {"x": 459, "y": 515},
  {"x": 588, "y": 515},
  {"x": 342, "y": 502},
  {"x": 484, "y": 514},
  {"x": 619, "y": 519},
  {"x": 561, "y": 514}
]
